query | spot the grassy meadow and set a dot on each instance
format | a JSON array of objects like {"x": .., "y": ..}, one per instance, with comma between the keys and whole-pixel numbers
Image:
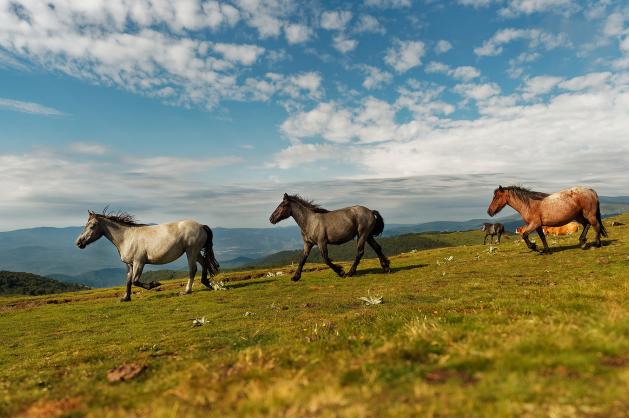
[{"x": 462, "y": 332}]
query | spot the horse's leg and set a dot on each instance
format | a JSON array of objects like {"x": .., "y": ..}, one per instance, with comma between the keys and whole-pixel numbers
[
  {"x": 127, "y": 295},
  {"x": 136, "y": 278},
  {"x": 192, "y": 270},
  {"x": 525, "y": 236},
  {"x": 384, "y": 261},
  {"x": 597, "y": 227},
  {"x": 499, "y": 235},
  {"x": 307, "y": 247},
  {"x": 360, "y": 251},
  {"x": 586, "y": 226},
  {"x": 204, "y": 268},
  {"x": 323, "y": 248},
  {"x": 540, "y": 232},
  {"x": 485, "y": 240}
]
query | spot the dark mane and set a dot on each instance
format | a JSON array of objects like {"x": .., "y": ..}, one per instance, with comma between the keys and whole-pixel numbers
[
  {"x": 525, "y": 194},
  {"x": 307, "y": 203},
  {"x": 120, "y": 217}
]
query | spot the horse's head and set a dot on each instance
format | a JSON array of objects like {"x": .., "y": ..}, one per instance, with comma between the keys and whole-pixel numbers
[
  {"x": 91, "y": 232},
  {"x": 282, "y": 211},
  {"x": 498, "y": 202}
]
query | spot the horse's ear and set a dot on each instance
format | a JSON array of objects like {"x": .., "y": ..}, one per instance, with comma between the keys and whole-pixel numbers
[
  {"x": 90, "y": 213},
  {"x": 285, "y": 196},
  {"x": 499, "y": 187}
]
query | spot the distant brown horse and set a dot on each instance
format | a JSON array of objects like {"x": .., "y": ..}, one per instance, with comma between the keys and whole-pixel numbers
[
  {"x": 322, "y": 227},
  {"x": 567, "y": 229},
  {"x": 541, "y": 209}
]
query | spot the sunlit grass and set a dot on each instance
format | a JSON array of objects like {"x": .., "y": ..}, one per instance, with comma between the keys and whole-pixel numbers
[{"x": 508, "y": 333}]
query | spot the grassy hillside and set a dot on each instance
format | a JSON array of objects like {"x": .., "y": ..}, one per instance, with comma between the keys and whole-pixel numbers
[
  {"x": 500, "y": 334},
  {"x": 391, "y": 246},
  {"x": 18, "y": 283}
]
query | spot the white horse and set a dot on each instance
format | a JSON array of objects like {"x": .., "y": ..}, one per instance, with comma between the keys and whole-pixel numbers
[{"x": 140, "y": 244}]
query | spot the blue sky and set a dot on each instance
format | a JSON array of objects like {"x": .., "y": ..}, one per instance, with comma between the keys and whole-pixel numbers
[{"x": 212, "y": 109}]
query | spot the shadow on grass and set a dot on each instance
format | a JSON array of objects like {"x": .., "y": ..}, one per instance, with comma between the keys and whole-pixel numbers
[
  {"x": 236, "y": 285},
  {"x": 394, "y": 269},
  {"x": 604, "y": 243}
]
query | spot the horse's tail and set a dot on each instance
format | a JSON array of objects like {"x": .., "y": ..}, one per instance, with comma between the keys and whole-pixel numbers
[
  {"x": 379, "y": 227},
  {"x": 211, "y": 264},
  {"x": 598, "y": 218}
]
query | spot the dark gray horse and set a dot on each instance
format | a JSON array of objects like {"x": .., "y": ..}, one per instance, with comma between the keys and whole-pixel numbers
[
  {"x": 322, "y": 227},
  {"x": 492, "y": 230}
]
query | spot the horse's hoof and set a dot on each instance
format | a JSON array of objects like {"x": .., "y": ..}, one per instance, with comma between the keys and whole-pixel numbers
[
  {"x": 184, "y": 293},
  {"x": 584, "y": 246},
  {"x": 350, "y": 273},
  {"x": 387, "y": 269},
  {"x": 207, "y": 284},
  {"x": 341, "y": 273},
  {"x": 295, "y": 278},
  {"x": 125, "y": 299}
]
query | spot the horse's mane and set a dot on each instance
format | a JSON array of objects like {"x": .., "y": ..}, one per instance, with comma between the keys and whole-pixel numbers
[
  {"x": 525, "y": 194},
  {"x": 121, "y": 217},
  {"x": 307, "y": 203}
]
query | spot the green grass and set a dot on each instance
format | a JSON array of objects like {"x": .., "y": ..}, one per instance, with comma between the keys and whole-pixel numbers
[{"x": 508, "y": 334}]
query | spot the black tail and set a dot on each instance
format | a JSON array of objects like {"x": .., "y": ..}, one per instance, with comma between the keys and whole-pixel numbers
[
  {"x": 211, "y": 264},
  {"x": 379, "y": 227},
  {"x": 600, "y": 221}
]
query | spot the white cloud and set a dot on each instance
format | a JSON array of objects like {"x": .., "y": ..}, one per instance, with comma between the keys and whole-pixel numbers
[
  {"x": 88, "y": 148},
  {"x": 588, "y": 81},
  {"x": 536, "y": 86},
  {"x": 478, "y": 92},
  {"x": 385, "y": 4},
  {"x": 28, "y": 107},
  {"x": 591, "y": 123},
  {"x": 527, "y": 7},
  {"x": 537, "y": 38},
  {"x": 368, "y": 24},
  {"x": 344, "y": 44},
  {"x": 162, "y": 57},
  {"x": 335, "y": 19},
  {"x": 242, "y": 54},
  {"x": 465, "y": 73},
  {"x": 404, "y": 55},
  {"x": 375, "y": 77},
  {"x": 297, "y": 33},
  {"x": 443, "y": 46}
]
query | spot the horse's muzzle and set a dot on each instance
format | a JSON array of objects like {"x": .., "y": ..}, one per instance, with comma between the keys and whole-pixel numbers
[{"x": 80, "y": 244}]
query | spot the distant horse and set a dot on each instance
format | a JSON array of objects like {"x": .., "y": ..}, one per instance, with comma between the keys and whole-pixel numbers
[
  {"x": 492, "y": 230},
  {"x": 322, "y": 227},
  {"x": 567, "y": 229},
  {"x": 537, "y": 209},
  {"x": 140, "y": 244}
]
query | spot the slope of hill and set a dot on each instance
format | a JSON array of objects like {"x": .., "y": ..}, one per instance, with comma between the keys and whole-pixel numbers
[
  {"x": 391, "y": 246},
  {"x": 460, "y": 332},
  {"x": 18, "y": 283},
  {"x": 51, "y": 251}
]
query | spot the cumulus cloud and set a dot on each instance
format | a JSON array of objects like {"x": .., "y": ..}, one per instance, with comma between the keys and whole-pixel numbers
[
  {"x": 465, "y": 72},
  {"x": 404, "y": 55},
  {"x": 588, "y": 115},
  {"x": 375, "y": 77},
  {"x": 335, "y": 19},
  {"x": 369, "y": 24},
  {"x": 537, "y": 38},
  {"x": 88, "y": 148},
  {"x": 28, "y": 107},
  {"x": 297, "y": 33},
  {"x": 442, "y": 46},
  {"x": 344, "y": 44},
  {"x": 536, "y": 86},
  {"x": 160, "y": 57}
]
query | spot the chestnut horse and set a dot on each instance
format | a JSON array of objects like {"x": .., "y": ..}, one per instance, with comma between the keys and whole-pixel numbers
[{"x": 541, "y": 209}]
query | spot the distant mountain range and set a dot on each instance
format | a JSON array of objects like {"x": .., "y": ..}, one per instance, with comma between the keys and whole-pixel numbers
[{"x": 51, "y": 251}]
